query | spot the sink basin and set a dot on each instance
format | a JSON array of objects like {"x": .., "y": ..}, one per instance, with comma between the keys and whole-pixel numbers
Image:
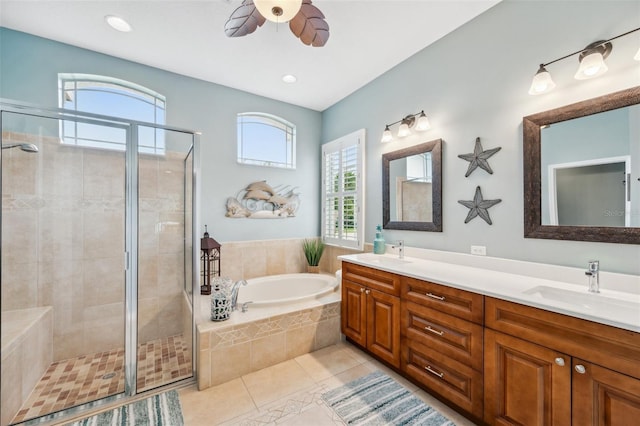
[
  {"x": 586, "y": 300},
  {"x": 382, "y": 259}
]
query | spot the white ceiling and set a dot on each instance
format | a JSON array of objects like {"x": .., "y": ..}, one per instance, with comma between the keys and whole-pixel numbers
[{"x": 368, "y": 37}]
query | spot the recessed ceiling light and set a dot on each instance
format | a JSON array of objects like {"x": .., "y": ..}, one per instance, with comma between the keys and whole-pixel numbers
[
  {"x": 117, "y": 23},
  {"x": 289, "y": 78}
]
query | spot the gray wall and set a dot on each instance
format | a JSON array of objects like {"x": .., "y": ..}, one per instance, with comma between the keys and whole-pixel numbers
[
  {"x": 29, "y": 67},
  {"x": 473, "y": 83}
]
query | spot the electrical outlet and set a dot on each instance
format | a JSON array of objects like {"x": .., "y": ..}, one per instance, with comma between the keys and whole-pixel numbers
[{"x": 479, "y": 250}]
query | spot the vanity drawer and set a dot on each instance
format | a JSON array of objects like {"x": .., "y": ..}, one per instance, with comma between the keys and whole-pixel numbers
[
  {"x": 452, "y": 380},
  {"x": 452, "y": 336},
  {"x": 376, "y": 279},
  {"x": 459, "y": 303},
  {"x": 613, "y": 347}
]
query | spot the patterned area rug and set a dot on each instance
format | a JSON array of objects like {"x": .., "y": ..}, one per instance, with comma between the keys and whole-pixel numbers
[
  {"x": 158, "y": 410},
  {"x": 377, "y": 399}
]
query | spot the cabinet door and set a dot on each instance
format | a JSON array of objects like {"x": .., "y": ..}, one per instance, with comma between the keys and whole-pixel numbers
[
  {"x": 383, "y": 326},
  {"x": 354, "y": 314},
  {"x": 524, "y": 383},
  {"x": 604, "y": 397}
]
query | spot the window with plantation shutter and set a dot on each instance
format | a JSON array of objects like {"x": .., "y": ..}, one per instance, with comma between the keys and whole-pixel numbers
[{"x": 343, "y": 191}]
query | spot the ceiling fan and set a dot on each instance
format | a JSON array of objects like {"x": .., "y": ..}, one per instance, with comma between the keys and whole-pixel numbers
[{"x": 305, "y": 20}]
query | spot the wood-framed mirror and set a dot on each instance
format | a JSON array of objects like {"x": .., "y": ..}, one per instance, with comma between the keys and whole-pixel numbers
[
  {"x": 582, "y": 170},
  {"x": 412, "y": 188}
]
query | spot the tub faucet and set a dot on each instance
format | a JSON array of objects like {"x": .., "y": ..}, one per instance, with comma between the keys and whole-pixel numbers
[
  {"x": 400, "y": 246},
  {"x": 234, "y": 294},
  {"x": 593, "y": 272}
]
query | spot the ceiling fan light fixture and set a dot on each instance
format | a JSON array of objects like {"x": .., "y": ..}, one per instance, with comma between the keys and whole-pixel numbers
[{"x": 278, "y": 11}]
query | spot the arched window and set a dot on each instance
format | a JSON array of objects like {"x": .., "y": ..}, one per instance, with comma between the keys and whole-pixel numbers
[
  {"x": 110, "y": 96},
  {"x": 266, "y": 140}
]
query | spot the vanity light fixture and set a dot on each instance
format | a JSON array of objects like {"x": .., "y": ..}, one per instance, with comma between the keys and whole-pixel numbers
[
  {"x": 591, "y": 64},
  {"x": 421, "y": 124},
  {"x": 592, "y": 60}
]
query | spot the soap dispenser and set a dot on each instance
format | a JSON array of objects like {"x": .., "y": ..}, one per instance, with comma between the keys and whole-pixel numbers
[{"x": 378, "y": 243}]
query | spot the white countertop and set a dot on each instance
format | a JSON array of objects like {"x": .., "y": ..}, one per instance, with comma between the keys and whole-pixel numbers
[{"x": 617, "y": 304}]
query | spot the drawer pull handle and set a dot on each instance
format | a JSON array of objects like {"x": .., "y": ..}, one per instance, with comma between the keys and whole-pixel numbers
[
  {"x": 361, "y": 289},
  {"x": 580, "y": 369},
  {"x": 367, "y": 292},
  {"x": 434, "y": 296},
  {"x": 438, "y": 332},
  {"x": 434, "y": 372},
  {"x": 560, "y": 361}
]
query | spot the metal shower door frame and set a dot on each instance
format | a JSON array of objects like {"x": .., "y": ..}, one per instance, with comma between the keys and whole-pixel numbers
[{"x": 131, "y": 235}]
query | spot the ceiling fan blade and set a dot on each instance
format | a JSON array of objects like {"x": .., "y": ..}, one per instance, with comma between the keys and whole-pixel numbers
[
  {"x": 244, "y": 20},
  {"x": 309, "y": 25}
]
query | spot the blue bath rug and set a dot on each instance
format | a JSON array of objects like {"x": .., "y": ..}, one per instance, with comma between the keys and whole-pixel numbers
[
  {"x": 377, "y": 399},
  {"x": 158, "y": 410}
]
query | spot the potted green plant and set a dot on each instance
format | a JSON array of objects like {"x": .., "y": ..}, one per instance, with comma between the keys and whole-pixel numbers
[{"x": 313, "y": 250}]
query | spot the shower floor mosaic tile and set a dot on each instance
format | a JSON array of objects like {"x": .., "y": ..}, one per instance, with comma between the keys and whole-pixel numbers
[{"x": 86, "y": 378}]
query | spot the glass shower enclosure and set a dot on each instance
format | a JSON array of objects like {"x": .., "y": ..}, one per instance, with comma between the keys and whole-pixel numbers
[{"x": 98, "y": 261}]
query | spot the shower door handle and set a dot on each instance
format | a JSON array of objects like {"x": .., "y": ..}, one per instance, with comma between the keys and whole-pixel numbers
[{"x": 126, "y": 260}]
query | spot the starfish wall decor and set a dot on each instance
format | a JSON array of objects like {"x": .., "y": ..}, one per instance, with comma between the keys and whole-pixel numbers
[
  {"x": 479, "y": 207},
  {"x": 478, "y": 158}
]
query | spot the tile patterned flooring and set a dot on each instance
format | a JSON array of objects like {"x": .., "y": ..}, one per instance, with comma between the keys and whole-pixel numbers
[
  {"x": 79, "y": 380},
  {"x": 289, "y": 393}
]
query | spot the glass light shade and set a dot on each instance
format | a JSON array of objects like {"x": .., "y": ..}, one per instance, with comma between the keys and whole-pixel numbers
[
  {"x": 637, "y": 57},
  {"x": 289, "y": 9},
  {"x": 403, "y": 130},
  {"x": 423, "y": 123},
  {"x": 386, "y": 135},
  {"x": 591, "y": 66},
  {"x": 542, "y": 82}
]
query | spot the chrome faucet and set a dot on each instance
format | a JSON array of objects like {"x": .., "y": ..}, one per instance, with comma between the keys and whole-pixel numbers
[
  {"x": 234, "y": 294},
  {"x": 245, "y": 306},
  {"x": 400, "y": 246},
  {"x": 593, "y": 272}
]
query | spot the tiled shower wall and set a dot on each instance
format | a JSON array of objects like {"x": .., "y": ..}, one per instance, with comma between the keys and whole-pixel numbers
[{"x": 63, "y": 241}]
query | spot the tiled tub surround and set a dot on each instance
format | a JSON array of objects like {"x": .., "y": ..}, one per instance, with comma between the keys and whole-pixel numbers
[
  {"x": 27, "y": 336},
  {"x": 262, "y": 337},
  {"x": 63, "y": 239},
  {"x": 252, "y": 259}
]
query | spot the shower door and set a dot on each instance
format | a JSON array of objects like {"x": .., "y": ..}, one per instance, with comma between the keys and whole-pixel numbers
[
  {"x": 63, "y": 268},
  {"x": 96, "y": 258},
  {"x": 164, "y": 332}
]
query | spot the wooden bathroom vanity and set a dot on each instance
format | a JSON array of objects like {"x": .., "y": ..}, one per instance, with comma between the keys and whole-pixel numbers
[{"x": 496, "y": 361}]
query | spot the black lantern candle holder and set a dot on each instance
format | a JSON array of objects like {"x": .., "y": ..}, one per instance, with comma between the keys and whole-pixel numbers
[{"x": 210, "y": 259}]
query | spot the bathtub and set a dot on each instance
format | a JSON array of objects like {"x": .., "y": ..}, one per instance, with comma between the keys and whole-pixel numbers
[
  {"x": 290, "y": 315},
  {"x": 285, "y": 289}
]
